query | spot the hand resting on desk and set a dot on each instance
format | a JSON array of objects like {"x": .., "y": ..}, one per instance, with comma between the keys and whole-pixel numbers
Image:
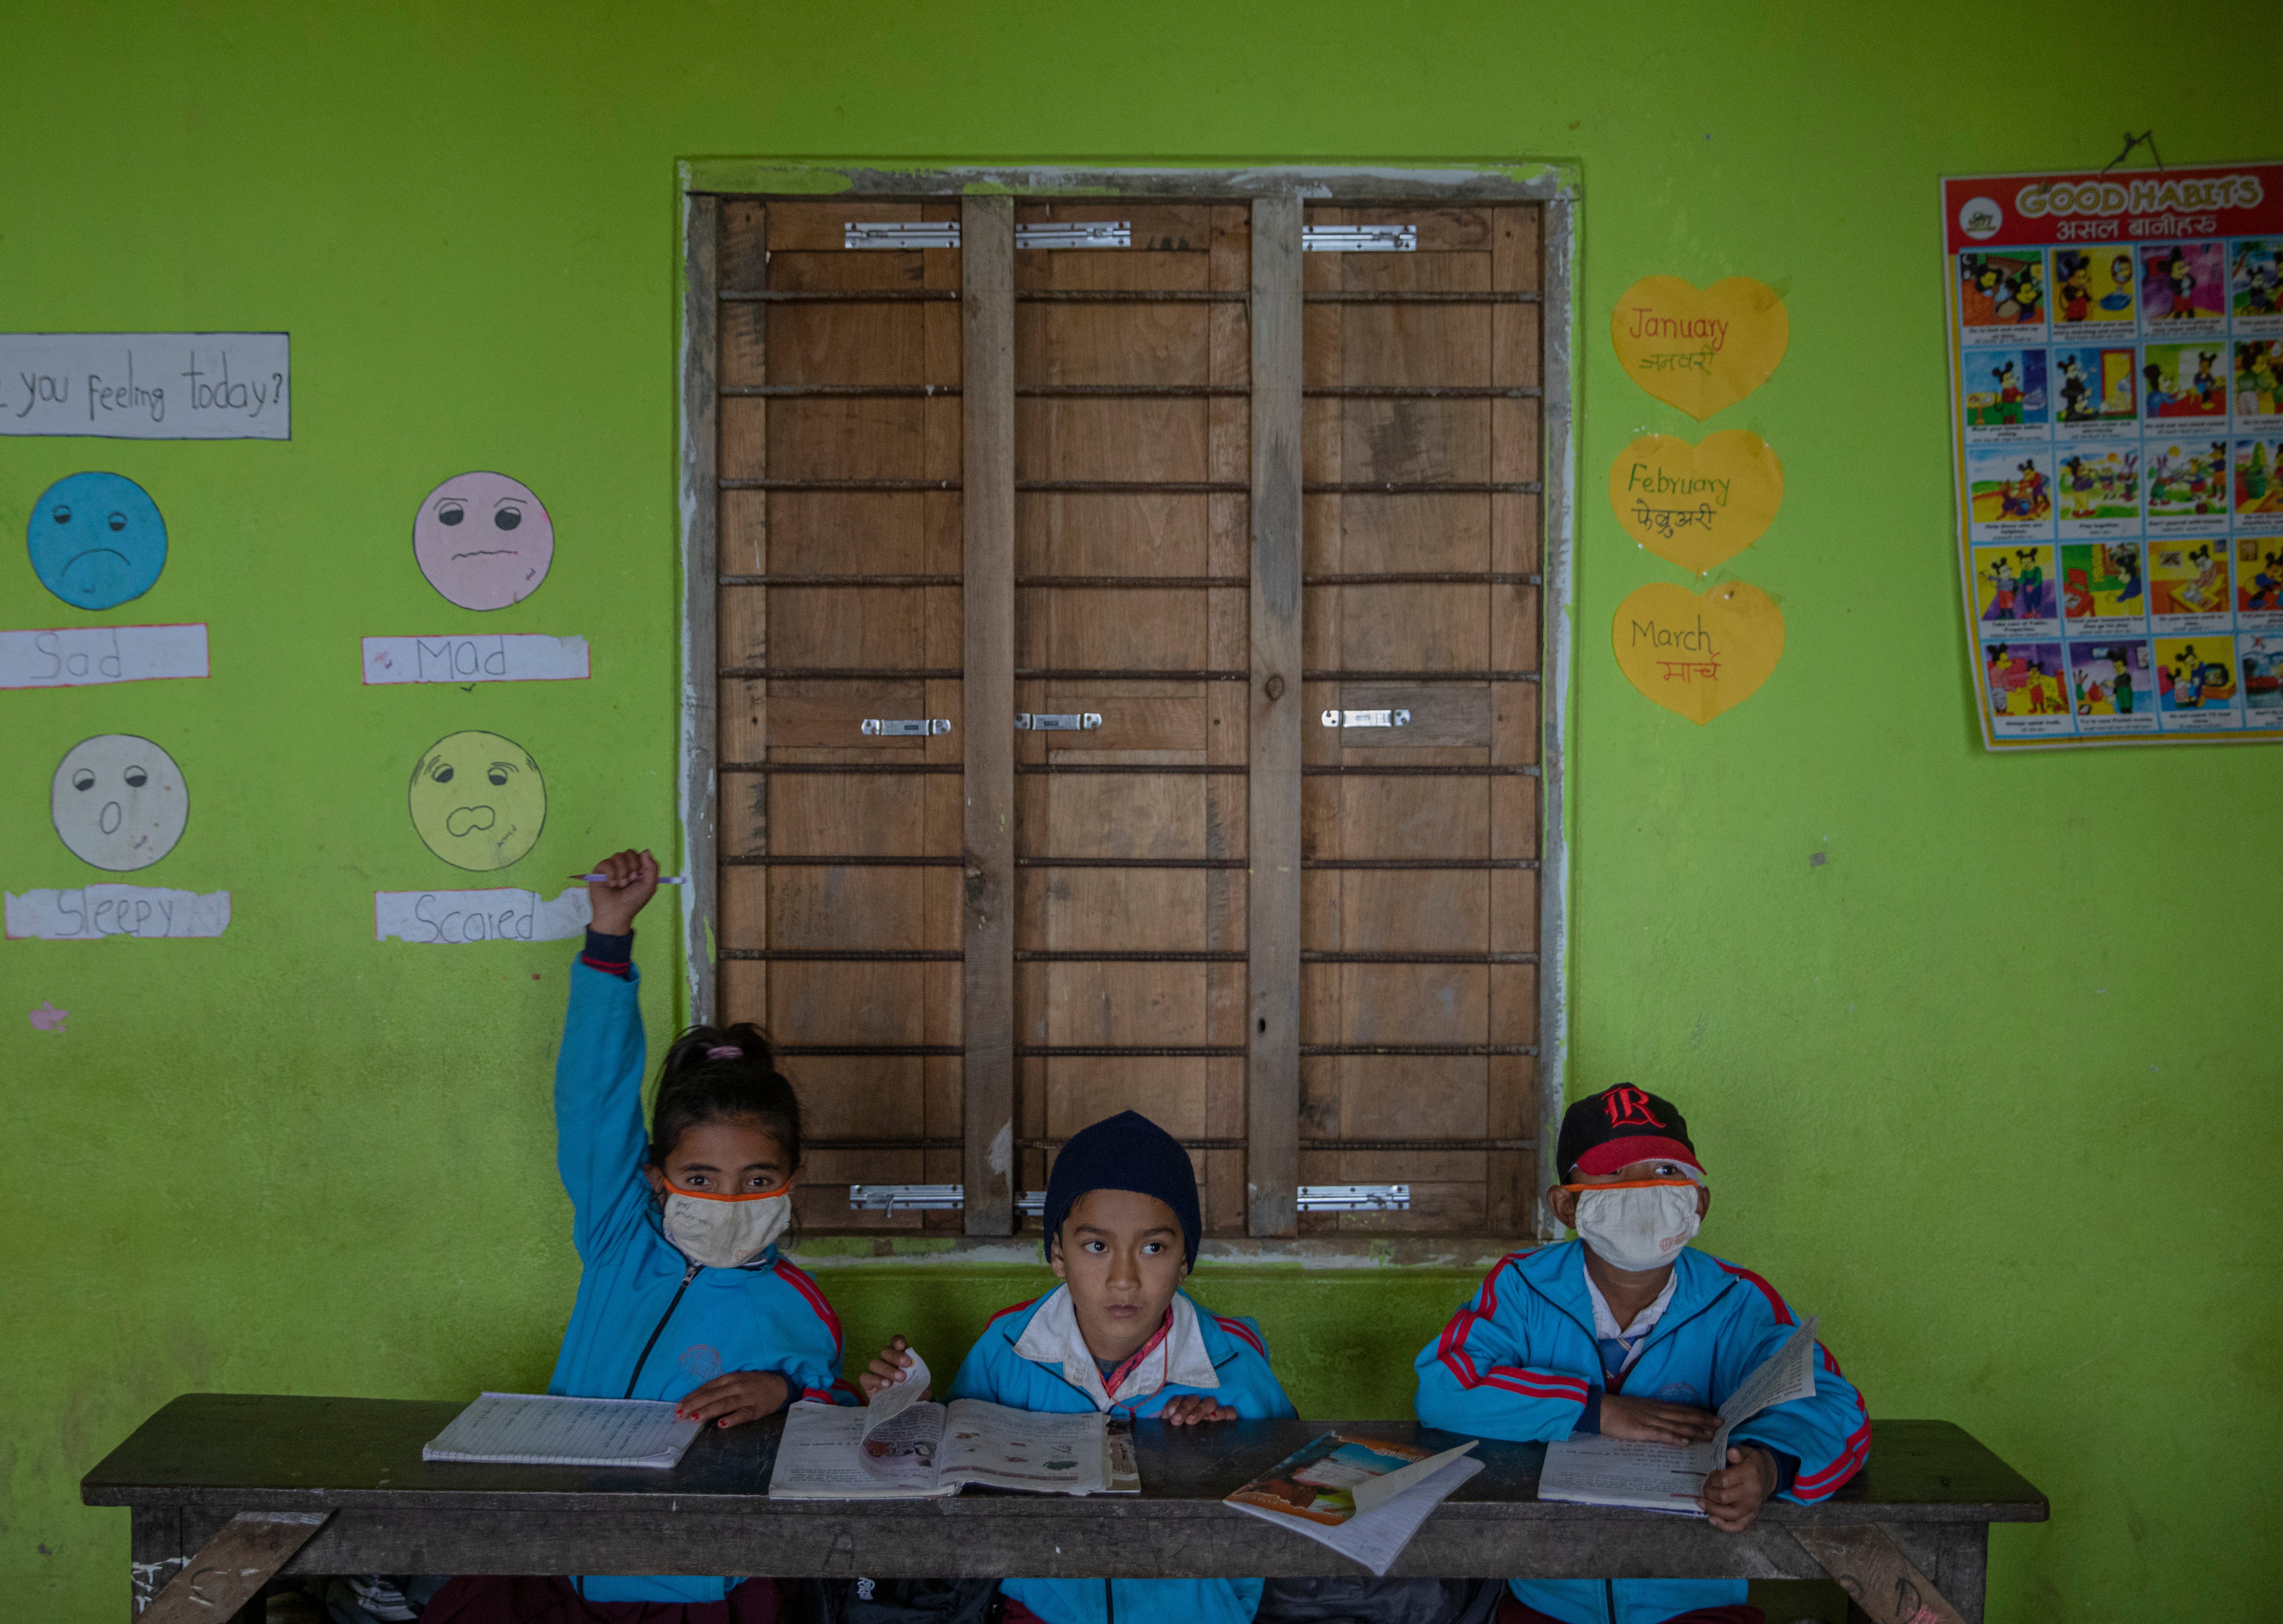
[
  {"x": 1191, "y": 1408},
  {"x": 1653, "y": 1421},
  {"x": 737, "y": 1398}
]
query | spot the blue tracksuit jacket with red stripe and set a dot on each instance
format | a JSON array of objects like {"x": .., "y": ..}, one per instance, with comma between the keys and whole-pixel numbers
[
  {"x": 633, "y": 1283},
  {"x": 1519, "y": 1362},
  {"x": 995, "y": 1371}
]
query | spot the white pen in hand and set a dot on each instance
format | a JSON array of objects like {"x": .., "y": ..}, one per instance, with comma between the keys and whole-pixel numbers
[{"x": 598, "y": 879}]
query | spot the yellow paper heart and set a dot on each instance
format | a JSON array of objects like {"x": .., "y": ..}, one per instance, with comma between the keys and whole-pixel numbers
[
  {"x": 1699, "y": 351},
  {"x": 1696, "y": 504},
  {"x": 1698, "y": 654}
]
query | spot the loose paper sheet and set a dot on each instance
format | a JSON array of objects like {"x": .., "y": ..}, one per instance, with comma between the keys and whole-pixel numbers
[
  {"x": 2115, "y": 343},
  {"x": 513, "y": 658},
  {"x": 1697, "y": 505},
  {"x": 147, "y": 386},
  {"x": 456, "y": 917},
  {"x": 87, "y": 656},
  {"x": 1699, "y": 349},
  {"x": 145, "y": 913},
  {"x": 533, "y": 1429},
  {"x": 1698, "y": 655}
]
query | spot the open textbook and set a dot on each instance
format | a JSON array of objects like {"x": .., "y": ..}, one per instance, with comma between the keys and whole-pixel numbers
[
  {"x": 1362, "y": 1496},
  {"x": 529, "y": 1429},
  {"x": 902, "y": 1445},
  {"x": 1664, "y": 1476}
]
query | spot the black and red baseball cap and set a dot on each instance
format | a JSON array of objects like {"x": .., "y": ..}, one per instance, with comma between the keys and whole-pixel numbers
[{"x": 1620, "y": 1126}]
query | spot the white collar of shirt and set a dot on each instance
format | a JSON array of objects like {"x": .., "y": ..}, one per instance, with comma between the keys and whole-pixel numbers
[
  {"x": 1605, "y": 1322},
  {"x": 1178, "y": 1361}
]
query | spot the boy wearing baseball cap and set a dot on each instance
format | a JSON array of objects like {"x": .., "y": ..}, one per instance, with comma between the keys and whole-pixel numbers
[
  {"x": 1631, "y": 1332},
  {"x": 1119, "y": 1335}
]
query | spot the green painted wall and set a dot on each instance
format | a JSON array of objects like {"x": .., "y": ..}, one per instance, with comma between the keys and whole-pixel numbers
[{"x": 1992, "y": 1088}]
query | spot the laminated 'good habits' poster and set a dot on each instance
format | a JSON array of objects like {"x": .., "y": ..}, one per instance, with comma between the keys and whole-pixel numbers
[{"x": 2117, "y": 397}]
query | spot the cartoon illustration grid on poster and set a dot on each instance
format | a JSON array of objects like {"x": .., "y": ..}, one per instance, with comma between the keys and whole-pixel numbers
[{"x": 2116, "y": 371}]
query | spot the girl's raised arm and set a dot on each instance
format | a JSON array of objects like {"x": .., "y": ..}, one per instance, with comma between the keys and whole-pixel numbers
[{"x": 598, "y": 1072}]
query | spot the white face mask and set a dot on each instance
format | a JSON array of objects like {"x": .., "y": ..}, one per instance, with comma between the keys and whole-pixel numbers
[
  {"x": 1639, "y": 1228},
  {"x": 725, "y": 1231}
]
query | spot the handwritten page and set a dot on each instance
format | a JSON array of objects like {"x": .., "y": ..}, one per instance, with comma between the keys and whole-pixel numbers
[
  {"x": 505, "y": 658},
  {"x": 145, "y": 913},
  {"x": 147, "y": 386},
  {"x": 86, "y": 656},
  {"x": 537, "y": 1430},
  {"x": 453, "y": 919}
]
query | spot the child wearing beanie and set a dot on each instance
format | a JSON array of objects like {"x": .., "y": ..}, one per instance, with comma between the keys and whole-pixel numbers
[{"x": 1118, "y": 1334}]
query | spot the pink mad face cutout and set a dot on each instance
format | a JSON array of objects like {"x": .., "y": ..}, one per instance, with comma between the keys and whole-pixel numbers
[{"x": 483, "y": 541}]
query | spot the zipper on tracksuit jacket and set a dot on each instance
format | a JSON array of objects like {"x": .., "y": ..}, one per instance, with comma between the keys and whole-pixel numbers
[{"x": 659, "y": 1330}]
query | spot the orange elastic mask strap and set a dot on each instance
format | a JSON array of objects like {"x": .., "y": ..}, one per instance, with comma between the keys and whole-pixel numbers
[
  {"x": 1639, "y": 1183},
  {"x": 759, "y": 1195}
]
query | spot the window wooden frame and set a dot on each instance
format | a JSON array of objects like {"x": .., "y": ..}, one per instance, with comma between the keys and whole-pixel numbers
[{"x": 1271, "y": 1090}]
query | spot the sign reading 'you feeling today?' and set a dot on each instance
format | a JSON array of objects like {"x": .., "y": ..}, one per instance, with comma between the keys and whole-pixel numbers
[{"x": 147, "y": 386}]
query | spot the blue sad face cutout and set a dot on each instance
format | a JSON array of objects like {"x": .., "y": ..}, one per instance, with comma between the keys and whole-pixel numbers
[{"x": 96, "y": 539}]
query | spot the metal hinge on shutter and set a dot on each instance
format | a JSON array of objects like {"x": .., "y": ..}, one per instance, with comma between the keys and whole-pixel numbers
[{"x": 914, "y": 727}]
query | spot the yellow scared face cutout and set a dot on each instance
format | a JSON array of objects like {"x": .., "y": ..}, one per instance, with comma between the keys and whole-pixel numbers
[{"x": 478, "y": 800}]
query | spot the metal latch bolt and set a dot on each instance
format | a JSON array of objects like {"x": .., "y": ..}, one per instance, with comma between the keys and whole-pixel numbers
[
  {"x": 900, "y": 234},
  {"x": 1360, "y": 238},
  {"x": 1033, "y": 1203},
  {"x": 1355, "y": 1197},
  {"x": 1057, "y": 722},
  {"x": 912, "y": 727},
  {"x": 1367, "y": 719},
  {"x": 1076, "y": 234},
  {"x": 903, "y": 1197}
]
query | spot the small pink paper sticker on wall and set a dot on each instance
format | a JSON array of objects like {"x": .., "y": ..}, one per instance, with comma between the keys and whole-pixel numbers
[
  {"x": 483, "y": 540},
  {"x": 47, "y": 1018}
]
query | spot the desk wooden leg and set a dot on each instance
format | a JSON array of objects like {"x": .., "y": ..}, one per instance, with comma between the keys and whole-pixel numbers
[
  {"x": 1962, "y": 1567},
  {"x": 226, "y": 1573},
  {"x": 1882, "y": 1582},
  {"x": 154, "y": 1553}
]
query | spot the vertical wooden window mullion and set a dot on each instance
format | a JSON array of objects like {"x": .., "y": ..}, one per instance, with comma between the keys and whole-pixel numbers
[
  {"x": 1273, "y": 839},
  {"x": 700, "y": 501},
  {"x": 987, "y": 908}
]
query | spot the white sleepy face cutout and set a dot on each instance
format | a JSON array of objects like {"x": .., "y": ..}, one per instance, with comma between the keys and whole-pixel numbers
[{"x": 119, "y": 801}]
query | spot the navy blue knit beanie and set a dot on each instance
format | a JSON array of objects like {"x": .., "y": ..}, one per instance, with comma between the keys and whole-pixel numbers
[{"x": 1126, "y": 1152}]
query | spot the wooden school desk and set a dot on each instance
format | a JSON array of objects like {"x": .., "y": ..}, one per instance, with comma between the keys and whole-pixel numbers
[{"x": 232, "y": 1485}]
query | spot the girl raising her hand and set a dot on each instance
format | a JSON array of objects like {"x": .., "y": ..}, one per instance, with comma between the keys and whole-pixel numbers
[{"x": 683, "y": 1294}]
